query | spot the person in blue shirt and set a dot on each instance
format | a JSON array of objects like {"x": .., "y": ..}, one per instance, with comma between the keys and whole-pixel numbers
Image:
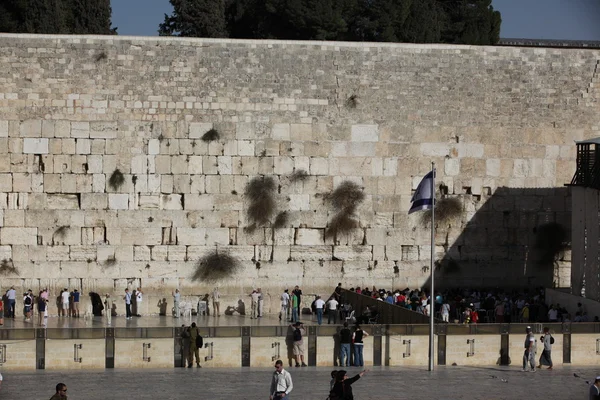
[{"x": 76, "y": 303}]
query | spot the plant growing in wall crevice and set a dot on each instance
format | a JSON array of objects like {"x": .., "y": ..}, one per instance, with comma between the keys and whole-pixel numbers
[
  {"x": 116, "y": 179},
  {"x": 260, "y": 193},
  {"x": 60, "y": 233},
  {"x": 215, "y": 266},
  {"x": 211, "y": 135},
  {"x": 446, "y": 209},
  {"x": 345, "y": 199},
  {"x": 7, "y": 267},
  {"x": 298, "y": 175}
]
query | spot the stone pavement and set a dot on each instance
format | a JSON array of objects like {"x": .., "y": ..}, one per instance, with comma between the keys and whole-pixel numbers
[
  {"x": 151, "y": 321},
  {"x": 379, "y": 383}
]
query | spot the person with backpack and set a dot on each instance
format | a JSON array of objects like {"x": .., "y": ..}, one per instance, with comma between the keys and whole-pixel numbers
[
  {"x": 27, "y": 304},
  {"x": 546, "y": 357},
  {"x": 298, "y": 333},
  {"x": 196, "y": 342},
  {"x": 342, "y": 390}
]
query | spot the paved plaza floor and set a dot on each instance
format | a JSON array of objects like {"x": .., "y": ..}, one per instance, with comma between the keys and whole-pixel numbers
[
  {"x": 380, "y": 383},
  {"x": 147, "y": 321}
]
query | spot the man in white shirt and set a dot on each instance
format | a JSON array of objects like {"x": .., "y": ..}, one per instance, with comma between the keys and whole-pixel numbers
[
  {"x": 332, "y": 311},
  {"x": 281, "y": 383},
  {"x": 285, "y": 306},
  {"x": 138, "y": 301},
  {"x": 64, "y": 295},
  {"x": 11, "y": 294},
  {"x": 319, "y": 304},
  {"x": 445, "y": 311},
  {"x": 216, "y": 298}
]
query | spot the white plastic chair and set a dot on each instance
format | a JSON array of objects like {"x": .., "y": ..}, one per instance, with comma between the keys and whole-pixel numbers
[{"x": 187, "y": 310}]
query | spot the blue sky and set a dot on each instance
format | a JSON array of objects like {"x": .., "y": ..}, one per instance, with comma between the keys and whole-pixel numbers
[{"x": 531, "y": 19}]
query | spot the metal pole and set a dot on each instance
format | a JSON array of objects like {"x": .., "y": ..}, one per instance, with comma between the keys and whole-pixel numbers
[{"x": 431, "y": 267}]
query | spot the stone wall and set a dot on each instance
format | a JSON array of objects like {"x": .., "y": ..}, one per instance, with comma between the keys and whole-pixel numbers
[{"x": 75, "y": 109}]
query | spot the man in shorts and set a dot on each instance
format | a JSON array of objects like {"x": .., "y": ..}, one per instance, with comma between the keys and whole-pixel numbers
[
  {"x": 298, "y": 333},
  {"x": 64, "y": 296}
]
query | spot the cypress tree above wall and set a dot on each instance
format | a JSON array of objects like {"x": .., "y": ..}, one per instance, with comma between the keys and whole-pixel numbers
[
  {"x": 56, "y": 17},
  {"x": 418, "y": 21}
]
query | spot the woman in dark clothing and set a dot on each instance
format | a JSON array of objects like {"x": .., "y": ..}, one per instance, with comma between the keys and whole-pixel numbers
[{"x": 342, "y": 390}]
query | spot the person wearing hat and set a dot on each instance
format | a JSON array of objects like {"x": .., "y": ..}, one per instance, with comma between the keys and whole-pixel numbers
[
  {"x": 298, "y": 333},
  {"x": 530, "y": 347},
  {"x": 343, "y": 385},
  {"x": 595, "y": 389}
]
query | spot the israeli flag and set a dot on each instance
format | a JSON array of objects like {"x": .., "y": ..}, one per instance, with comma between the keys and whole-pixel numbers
[{"x": 424, "y": 196}]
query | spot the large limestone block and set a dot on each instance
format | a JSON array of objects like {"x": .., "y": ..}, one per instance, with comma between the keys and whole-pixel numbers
[
  {"x": 82, "y": 253},
  {"x": 12, "y": 235},
  {"x": 299, "y": 253},
  {"x": 353, "y": 253},
  {"x": 35, "y": 146},
  {"x": 217, "y": 236},
  {"x": 171, "y": 202},
  {"x": 191, "y": 236},
  {"x": 309, "y": 237},
  {"x": 62, "y": 201},
  {"x": 151, "y": 236},
  {"x": 365, "y": 133},
  {"x": 103, "y": 129},
  {"x": 80, "y": 129},
  {"x": 197, "y": 129},
  {"x": 118, "y": 201},
  {"x": 30, "y": 128},
  {"x": 3, "y": 129}
]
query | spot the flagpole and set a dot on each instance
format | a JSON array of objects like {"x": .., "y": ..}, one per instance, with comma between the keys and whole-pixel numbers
[{"x": 431, "y": 269}]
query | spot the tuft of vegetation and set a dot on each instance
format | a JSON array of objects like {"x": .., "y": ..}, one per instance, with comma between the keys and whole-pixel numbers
[
  {"x": 110, "y": 261},
  {"x": 215, "y": 266},
  {"x": 7, "y": 267},
  {"x": 298, "y": 175},
  {"x": 551, "y": 240},
  {"x": 345, "y": 199},
  {"x": 446, "y": 209},
  {"x": 281, "y": 220},
  {"x": 260, "y": 192},
  {"x": 116, "y": 179},
  {"x": 447, "y": 266},
  {"x": 210, "y": 136},
  {"x": 348, "y": 195},
  {"x": 60, "y": 232},
  {"x": 352, "y": 101},
  {"x": 101, "y": 56}
]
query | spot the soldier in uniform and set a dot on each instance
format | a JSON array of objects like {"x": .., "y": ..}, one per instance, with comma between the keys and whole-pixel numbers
[{"x": 194, "y": 333}]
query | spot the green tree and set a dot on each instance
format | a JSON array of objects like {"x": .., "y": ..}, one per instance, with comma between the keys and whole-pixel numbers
[
  {"x": 56, "y": 16},
  {"x": 90, "y": 17},
  {"x": 199, "y": 18},
  {"x": 420, "y": 21},
  {"x": 471, "y": 22}
]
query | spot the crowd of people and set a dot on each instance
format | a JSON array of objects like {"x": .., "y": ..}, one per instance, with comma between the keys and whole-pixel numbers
[{"x": 473, "y": 306}]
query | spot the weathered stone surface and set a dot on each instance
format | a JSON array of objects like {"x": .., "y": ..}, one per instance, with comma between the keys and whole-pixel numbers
[{"x": 185, "y": 196}]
